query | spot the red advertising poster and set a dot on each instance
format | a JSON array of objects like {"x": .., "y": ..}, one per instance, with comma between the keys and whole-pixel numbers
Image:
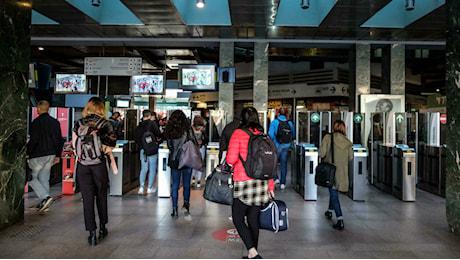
[
  {"x": 63, "y": 118},
  {"x": 34, "y": 113}
]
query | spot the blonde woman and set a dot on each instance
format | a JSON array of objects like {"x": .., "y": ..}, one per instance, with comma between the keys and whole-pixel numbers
[
  {"x": 343, "y": 153},
  {"x": 92, "y": 172}
]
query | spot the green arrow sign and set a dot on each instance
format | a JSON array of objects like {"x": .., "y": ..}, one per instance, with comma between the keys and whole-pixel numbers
[
  {"x": 358, "y": 118},
  {"x": 314, "y": 117},
  {"x": 400, "y": 118}
]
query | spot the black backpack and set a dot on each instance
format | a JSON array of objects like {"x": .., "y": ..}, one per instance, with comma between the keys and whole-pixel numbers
[
  {"x": 88, "y": 143},
  {"x": 262, "y": 157},
  {"x": 284, "y": 134},
  {"x": 149, "y": 143}
]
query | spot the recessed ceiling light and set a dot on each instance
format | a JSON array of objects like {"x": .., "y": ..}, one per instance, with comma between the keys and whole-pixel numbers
[
  {"x": 41, "y": 48},
  {"x": 200, "y": 3}
]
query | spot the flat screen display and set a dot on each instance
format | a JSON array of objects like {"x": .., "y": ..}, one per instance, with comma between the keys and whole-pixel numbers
[
  {"x": 197, "y": 77},
  {"x": 147, "y": 84},
  {"x": 70, "y": 83},
  {"x": 122, "y": 103}
]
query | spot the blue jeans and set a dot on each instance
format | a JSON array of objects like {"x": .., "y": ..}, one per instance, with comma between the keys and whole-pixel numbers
[
  {"x": 283, "y": 157},
  {"x": 41, "y": 170},
  {"x": 198, "y": 174},
  {"x": 334, "y": 203},
  {"x": 186, "y": 177},
  {"x": 148, "y": 163}
]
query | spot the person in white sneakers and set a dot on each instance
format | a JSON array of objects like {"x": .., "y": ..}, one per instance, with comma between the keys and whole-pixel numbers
[{"x": 146, "y": 136}]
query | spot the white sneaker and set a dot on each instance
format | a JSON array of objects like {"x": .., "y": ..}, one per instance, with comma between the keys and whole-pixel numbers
[
  {"x": 283, "y": 186},
  {"x": 151, "y": 190},
  {"x": 198, "y": 185},
  {"x": 141, "y": 190},
  {"x": 277, "y": 181}
]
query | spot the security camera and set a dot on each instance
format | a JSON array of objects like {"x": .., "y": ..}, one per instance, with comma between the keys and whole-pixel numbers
[
  {"x": 305, "y": 4},
  {"x": 96, "y": 2}
]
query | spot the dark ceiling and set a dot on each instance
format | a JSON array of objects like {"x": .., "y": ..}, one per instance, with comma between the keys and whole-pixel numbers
[{"x": 163, "y": 31}]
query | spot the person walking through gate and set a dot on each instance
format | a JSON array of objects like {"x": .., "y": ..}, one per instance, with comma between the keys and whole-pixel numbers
[
  {"x": 343, "y": 153},
  {"x": 146, "y": 136},
  {"x": 282, "y": 133},
  {"x": 44, "y": 150}
]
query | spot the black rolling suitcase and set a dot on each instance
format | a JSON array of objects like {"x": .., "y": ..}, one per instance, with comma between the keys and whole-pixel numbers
[{"x": 274, "y": 216}]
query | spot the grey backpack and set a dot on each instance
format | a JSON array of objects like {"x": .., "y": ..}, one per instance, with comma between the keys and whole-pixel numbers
[{"x": 88, "y": 144}]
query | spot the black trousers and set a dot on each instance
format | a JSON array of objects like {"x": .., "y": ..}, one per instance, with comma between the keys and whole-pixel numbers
[
  {"x": 250, "y": 232},
  {"x": 93, "y": 180}
]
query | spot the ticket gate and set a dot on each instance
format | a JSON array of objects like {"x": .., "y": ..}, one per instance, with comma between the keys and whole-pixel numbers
[
  {"x": 357, "y": 173},
  {"x": 384, "y": 168},
  {"x": 404, "y": 173},
  {"x": 164, "y": 172},
  {"x": 308, "y": 160},
  {"x": 212, "y": 157},
  {"x": 116, "y": 180}
]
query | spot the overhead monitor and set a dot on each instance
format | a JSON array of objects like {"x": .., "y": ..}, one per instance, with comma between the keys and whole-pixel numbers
[
  {"x": 197, "y": 77},
  {"x": 148, "y": 84},
  {"x": 124, "y": 103},
  {"x": 70, "y": 83}
]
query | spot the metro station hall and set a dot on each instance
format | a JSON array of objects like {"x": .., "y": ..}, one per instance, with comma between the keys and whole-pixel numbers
[{"x": 221, "y": 129}]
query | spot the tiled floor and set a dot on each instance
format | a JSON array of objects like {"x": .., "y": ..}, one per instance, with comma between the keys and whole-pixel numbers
[{"x": 141, "y": 227}]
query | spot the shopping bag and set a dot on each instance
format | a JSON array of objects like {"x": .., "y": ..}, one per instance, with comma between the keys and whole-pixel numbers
[
  {"x": 191, "y": 157},
  {"x": 219, "y": 186},
  {"x": 325, "y": 175}
]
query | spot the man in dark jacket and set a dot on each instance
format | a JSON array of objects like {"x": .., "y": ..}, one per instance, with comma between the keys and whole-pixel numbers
[
  {"x": 117, "y": 124},
  {"x": 147, "y": 136},
  {"x": 44, "y": 150},
  {"x": 225, "y": 138}
]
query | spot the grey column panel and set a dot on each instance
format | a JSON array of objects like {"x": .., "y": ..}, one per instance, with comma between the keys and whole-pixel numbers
[
  {"x": 226, "y": 59},
  {"x": 363, "y": 70},
  {"x": 260, "y": 86},
  {"x": 397, "y": 69}
]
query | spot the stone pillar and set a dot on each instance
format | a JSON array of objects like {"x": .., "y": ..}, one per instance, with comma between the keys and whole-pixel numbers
[
  {"x": 260, "y": 94},
  {"x": 362, "y": 72},
  {"x": 398, "y": 69},
  {"x": 226, "y": 59},
  {"x": 453, "y": 114},
  {"x": 14, "y": 67}
]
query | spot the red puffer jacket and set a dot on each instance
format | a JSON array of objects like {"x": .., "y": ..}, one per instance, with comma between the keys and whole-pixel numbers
[{"x": 239, "y": 146}]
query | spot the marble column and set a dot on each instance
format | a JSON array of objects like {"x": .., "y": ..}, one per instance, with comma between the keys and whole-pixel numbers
[
  {"x": 453, "y": 114},
  {"x": 260, "y": 94},
  {"x": 226, "y": 59},
  {"x": 14, "y": 67},
  {"x": 362, "y": 72},
  {"x": 398, "y": 69}
]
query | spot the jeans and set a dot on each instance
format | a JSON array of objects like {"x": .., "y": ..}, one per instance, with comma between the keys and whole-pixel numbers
[
  {"x": 186, "y": 178},
  {"x": 334, "y": 203},
  {"x": 41, "y": 170},
  {"x": 283, "y": 151},
  {"x": 148, "y": 163},
  {"x": 196, "y": 173}
]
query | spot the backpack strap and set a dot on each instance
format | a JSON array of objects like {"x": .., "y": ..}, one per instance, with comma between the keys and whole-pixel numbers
[{"x": 251, "y": 134}]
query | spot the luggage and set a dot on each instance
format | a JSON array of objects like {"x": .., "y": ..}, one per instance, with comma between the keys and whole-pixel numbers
[{"x": 274, "y": 216}]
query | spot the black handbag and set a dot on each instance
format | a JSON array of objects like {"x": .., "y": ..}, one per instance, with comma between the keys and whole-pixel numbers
[
  {"x": 219, "y": 186},
  {"x": 325, "y": 172}
]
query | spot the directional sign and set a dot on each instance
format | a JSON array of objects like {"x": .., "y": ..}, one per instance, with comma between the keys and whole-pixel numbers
[
  {"x": 314, "y": 117},
  {"x": 358, "y": 118},
  {"x": 400, "y": 118},
  {"x": 443, "y": 119}
]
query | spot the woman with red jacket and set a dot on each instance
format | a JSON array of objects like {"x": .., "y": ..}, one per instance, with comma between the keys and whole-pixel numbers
[{"x": 249, "y": 194}]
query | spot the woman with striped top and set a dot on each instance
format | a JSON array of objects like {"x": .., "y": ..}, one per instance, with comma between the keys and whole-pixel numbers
[{"x": 249, "y": 194}]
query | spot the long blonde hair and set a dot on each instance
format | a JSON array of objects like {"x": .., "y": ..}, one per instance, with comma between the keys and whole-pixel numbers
[
  {"x": 339, "y": 126},
  {"x": 94, "y": 106}
]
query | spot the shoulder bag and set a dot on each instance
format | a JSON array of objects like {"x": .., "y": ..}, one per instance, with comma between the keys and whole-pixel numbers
[
  {"x": 219, "y": 185},
  {"x": 190, "y": 155},
  {"x": 325, "y": 172}
]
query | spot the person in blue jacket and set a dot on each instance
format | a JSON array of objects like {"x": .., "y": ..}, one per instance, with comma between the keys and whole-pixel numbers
[{"x": 282, "y": 132}]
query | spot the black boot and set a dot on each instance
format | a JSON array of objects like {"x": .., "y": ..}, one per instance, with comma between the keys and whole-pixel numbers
[
  {"x": 174, "y": 213},
  {"x": 328, "y": 214},
  {"x": 186, "y": 206},
  {"x": 103, "y": 232},
  {"x": 92, "y": 238},
  {"x": 339, "y": 225}
]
